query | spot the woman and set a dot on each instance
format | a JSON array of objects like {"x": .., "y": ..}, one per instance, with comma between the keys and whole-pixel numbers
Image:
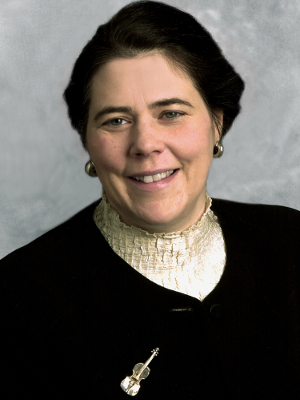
[{"x": 156, "y": 264}]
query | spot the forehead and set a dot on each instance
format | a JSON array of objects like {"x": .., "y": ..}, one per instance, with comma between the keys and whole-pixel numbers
[{"x": 145, "y": 78}]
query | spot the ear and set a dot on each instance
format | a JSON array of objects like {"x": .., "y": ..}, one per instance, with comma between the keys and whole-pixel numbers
[{"x": 218, "y": 125}]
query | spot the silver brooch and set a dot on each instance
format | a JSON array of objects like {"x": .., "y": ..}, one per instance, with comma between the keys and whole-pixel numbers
[{"x": 131, "y": 384}]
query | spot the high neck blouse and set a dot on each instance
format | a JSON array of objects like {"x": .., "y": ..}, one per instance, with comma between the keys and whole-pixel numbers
[{"x": 190, "y": 261}]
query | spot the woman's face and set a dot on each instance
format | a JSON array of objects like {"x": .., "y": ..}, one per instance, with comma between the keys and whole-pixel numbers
[{"x": 151, "y": 139}]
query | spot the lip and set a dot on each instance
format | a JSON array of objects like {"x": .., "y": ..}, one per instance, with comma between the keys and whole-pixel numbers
[{"x": 153, "y": 186}]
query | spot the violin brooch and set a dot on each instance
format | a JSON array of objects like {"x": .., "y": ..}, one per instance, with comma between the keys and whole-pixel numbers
[{"x": 131, "y": 384}]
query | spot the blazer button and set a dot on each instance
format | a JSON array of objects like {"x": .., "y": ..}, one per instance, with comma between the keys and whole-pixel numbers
[{"x": 215, "y": 310}]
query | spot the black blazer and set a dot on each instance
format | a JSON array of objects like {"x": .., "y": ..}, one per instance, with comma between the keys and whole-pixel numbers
[{"x": 76, "y": 318}]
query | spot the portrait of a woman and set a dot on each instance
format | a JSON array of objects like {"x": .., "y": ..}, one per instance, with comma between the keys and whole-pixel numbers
[{"x": 156, "y": 275}]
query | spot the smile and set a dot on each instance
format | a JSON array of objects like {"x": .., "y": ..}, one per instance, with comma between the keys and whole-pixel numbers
[{"x": 154, "y": 178}]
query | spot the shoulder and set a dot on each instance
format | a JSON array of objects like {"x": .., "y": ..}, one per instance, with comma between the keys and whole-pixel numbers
[
  {"x": 263, "y": 229},
  {"x": 69, "y": 229},
  {"x": 262, "y": 243},
  {"x": 62, "y": 248},
  {"x": 255, "y": 214}
]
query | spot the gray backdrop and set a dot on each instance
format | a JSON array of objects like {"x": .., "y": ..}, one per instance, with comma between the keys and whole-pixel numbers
[{"x": 41, "y": 160}]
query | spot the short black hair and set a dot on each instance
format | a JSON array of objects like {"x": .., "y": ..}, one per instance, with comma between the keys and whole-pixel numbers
[{"x": 147, "y": 26}]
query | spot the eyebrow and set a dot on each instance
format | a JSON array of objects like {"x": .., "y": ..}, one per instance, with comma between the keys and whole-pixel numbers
[
  {"x": 110, "y": 110},
  {"x": 169, "y": 102},
  {"x": 156, "y": 104}
]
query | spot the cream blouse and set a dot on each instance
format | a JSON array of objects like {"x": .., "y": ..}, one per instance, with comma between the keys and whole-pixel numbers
[{"x": 190, "y": 262}]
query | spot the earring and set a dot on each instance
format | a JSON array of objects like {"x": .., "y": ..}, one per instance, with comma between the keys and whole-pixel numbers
[
  {"x": 90, "y": 169},
  {"x": 218, "y": 150}
]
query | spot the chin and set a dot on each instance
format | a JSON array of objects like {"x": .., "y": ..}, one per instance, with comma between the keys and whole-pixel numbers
[{"x": 158, "y": 223}]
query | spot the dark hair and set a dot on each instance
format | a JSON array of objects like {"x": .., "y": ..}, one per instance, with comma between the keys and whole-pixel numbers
[{"x": 145, "y": 26}]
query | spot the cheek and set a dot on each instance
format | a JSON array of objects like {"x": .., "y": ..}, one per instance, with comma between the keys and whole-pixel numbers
[
  {"x": 106, "y": 154},
  {"x": 196, "y": 144}
]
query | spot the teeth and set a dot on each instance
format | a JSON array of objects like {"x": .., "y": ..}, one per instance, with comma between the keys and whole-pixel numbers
[
  {"x": 157, "y": 177},
  {"x": 153, "y": 178},
  {"x": 148, "y": 179}
]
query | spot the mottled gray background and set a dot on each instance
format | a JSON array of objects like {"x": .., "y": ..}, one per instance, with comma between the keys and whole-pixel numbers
[{"x": 41, "y": 160}]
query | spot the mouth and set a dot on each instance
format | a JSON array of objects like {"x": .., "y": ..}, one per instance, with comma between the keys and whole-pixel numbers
[{"x": 154, "y": 178}]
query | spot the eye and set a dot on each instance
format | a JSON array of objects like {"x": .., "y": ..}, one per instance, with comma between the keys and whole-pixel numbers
[
  {"x": 116, "y": 122},
  {"x": 172, "y": 114}
]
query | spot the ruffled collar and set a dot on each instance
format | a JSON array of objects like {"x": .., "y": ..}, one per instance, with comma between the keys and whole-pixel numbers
[{"x": 173, "y": 260}]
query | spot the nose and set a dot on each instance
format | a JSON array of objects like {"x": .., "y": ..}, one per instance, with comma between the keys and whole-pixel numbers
[{"x": 146, "y": 140}]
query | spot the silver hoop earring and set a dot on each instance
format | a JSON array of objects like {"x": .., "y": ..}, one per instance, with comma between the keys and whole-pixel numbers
[
  {"x": 218, "y": 150},
  {"x": 90, "y": 169}
]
